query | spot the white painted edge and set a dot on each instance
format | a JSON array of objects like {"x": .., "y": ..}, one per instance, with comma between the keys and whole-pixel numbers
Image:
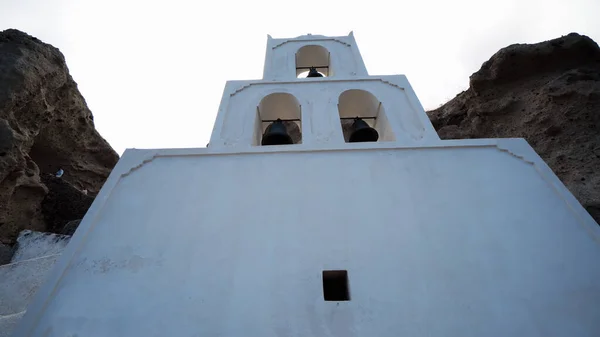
[
  {"x": 397, "y": 81},
  {"x": 338, "y": 39},
  {"x": 133, "y": 159},
  {"x": 519, "y": 148},
  {"x": 12, "y": 315}
]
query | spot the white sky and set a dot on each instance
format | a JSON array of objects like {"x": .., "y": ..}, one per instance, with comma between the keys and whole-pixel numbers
[{"x": 153, "y": 72}]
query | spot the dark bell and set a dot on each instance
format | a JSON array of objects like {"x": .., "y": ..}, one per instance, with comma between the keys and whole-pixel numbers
[
  {"x": 362, "y": 132},
  {"x": 314, "y": 73},
  {"x": 276, "y": 134}
]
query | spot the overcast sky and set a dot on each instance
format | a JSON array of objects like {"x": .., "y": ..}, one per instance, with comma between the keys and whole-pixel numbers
[{"x": 153, "y": 72}]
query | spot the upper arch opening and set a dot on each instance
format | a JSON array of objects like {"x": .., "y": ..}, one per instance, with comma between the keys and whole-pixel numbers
[{"x": 312, "y": 56}]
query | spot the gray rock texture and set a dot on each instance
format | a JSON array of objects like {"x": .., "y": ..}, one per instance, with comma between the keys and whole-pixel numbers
[
  {"x": 547, "y": 93},
  {"x": 6, "y": 253},
  {"x": 45, "y": 125},
  {"x": 32, "y": 245},
  {"x": 70, "y": 227}
]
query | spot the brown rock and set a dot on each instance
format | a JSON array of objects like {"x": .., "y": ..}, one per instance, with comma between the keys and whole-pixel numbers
[
  {"x": 547, "y": 93},
  {"x": 45, "y": 125}
]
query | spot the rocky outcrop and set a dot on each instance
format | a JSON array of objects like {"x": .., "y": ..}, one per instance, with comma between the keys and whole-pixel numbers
[
  {"x": 45, "y": 125},
  {"x": 547, "y": 93}
]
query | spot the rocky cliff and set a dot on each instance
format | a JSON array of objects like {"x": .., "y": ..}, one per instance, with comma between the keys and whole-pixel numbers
[
  {"x": 547, "y": 93},
  {"x": 45, "y": 125}
]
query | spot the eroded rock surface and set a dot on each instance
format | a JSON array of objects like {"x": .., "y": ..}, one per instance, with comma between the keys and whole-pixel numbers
[
  {"x": 45, "y": 125},
  {"x": 547, "y": 93}
]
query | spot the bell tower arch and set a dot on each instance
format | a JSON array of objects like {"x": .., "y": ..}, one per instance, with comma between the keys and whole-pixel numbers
[
  {"x": 325, "y": 79},
  {"x": 311, "y": 59},
  {"x": 333, "y": 56}
]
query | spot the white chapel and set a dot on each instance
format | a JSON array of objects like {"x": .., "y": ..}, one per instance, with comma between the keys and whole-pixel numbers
[{"x": 326, "y": 205}]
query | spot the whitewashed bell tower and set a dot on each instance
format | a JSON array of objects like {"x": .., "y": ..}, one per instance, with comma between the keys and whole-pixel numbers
[
  {"x": 407, "y": 235},
  {"x": 319, "y": 105}
]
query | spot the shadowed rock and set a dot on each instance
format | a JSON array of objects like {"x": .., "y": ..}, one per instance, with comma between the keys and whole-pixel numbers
[
  {"x": 547, "y": 93},
  {"x": 45, "y": 125}
]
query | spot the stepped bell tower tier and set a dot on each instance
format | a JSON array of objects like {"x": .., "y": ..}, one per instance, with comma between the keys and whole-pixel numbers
[{"x": 326, "y": 205}]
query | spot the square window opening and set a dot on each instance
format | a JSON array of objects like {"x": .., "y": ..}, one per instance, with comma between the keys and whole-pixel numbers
[{"x": 335, "y": 285}]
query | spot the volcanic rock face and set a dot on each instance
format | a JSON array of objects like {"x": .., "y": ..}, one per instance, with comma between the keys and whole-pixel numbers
[
  {"x": 45, "y": 125},
  {"x": 547, "y": 93}
]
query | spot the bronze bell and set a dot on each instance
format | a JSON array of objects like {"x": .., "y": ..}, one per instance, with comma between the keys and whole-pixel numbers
[
  {"x": 314, "y": 73},
  {"x": 276, "y": 134},
  {"x": 362, "y": 132}
]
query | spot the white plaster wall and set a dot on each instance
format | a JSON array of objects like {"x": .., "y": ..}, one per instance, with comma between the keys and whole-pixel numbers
[
  {"x": 464, "y": 238},
  {"x": 236, "y": 120},
  {"x": 8, "y": 323},
  {"x": 19, "y": 281},
  {"x": 345, "y": 58}
]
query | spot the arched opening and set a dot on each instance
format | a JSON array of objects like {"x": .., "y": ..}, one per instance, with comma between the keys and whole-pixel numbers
[
  {"x": 312, "y": 56},
  {"x": 275, "y": 108},
  {"x": 356, "y": 103}
]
